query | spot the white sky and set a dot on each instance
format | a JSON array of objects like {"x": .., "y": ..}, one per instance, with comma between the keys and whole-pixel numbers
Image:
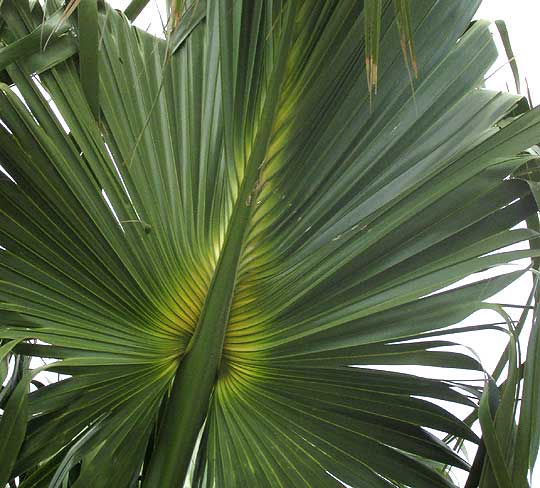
[{"x": 521, "y": 17}]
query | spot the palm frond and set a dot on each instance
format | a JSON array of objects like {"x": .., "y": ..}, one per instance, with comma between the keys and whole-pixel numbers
[{"x": 219, "y": 248}]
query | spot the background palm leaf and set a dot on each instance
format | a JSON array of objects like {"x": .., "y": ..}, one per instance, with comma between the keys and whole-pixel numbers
[{"x": 270, "y": 225}]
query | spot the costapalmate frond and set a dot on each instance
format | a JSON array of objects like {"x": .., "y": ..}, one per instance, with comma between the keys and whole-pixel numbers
[{"x": 217, "y": 235}]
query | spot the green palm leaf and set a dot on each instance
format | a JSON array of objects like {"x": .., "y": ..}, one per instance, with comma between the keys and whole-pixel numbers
[{"x": 210, "y": 238}]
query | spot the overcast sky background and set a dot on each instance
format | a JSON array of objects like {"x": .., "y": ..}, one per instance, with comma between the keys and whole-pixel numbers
[{"x": 522, "y": 17}]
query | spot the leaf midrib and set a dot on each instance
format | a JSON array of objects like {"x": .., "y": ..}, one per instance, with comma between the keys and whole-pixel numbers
[{"x": 197, "y": 371}]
